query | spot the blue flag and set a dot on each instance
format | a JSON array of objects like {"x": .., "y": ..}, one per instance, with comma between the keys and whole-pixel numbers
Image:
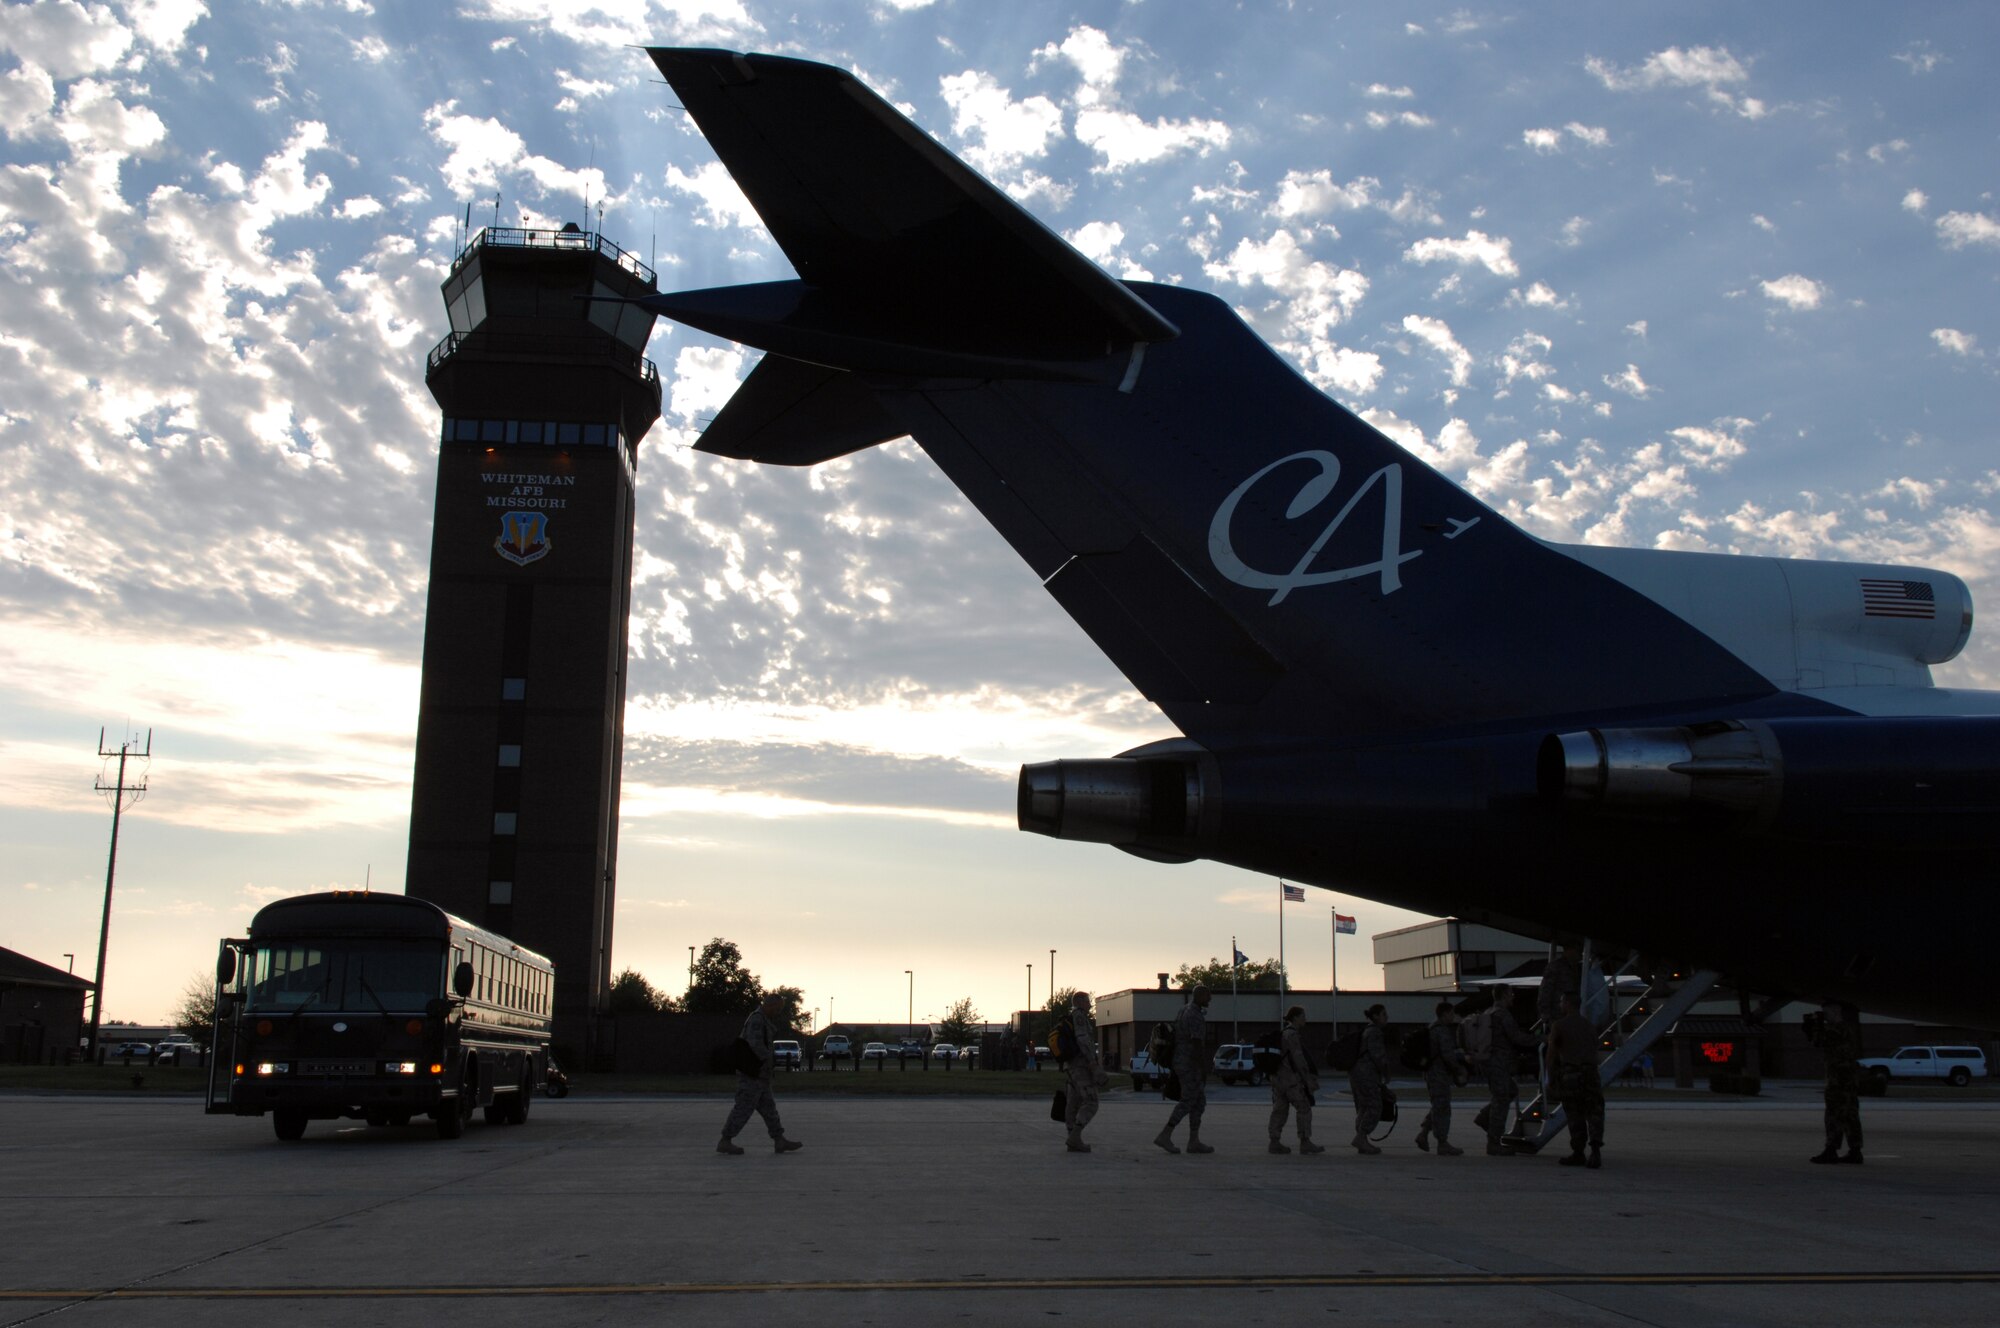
[{"x": 1241, "y": 958}]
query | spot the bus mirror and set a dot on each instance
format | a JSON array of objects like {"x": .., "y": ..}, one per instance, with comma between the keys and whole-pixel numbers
[
  {"x": 225, "y": 967},
  {"x": 461, "y": 980}
]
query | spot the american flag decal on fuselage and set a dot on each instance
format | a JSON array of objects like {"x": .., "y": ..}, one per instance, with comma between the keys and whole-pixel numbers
[{"x": 1882, "y": 598}]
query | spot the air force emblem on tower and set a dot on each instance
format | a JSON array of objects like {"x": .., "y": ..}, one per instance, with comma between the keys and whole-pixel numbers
[{"x": 524, "y": 537}]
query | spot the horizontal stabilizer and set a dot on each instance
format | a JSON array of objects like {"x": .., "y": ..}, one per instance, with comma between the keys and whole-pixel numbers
[
  {"x": 788, "y": 413},
  {"x": 870, "y": 208}
]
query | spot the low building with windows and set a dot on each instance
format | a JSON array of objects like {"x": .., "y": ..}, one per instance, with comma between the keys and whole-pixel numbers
[
  {"x": 1448, "y": 955},
  {"x": 41, "y": 1011}
]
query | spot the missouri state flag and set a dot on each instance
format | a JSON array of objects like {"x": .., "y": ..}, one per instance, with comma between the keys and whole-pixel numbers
[{"x": 1343, "y": 924}]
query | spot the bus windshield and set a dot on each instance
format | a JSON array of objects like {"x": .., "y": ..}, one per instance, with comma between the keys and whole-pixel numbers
[{"x": 372, "y": 975}]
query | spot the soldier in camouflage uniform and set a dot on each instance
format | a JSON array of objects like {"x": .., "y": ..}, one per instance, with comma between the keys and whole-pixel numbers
[
  {"x": 753, "y": 1092},
  {"x": 1447, "y": 1067},
  {"x": 1369, "y": 1078},
  {"x": 1839, "y": 1042},
  {"x": 1086, "y": 1073},
  {"x": 1191, "y": 1068},
  {"x": 1293, "y": 1086},
  {"x": 1573, "y": 1057},
  {"x": 1507, "y": 1041}
]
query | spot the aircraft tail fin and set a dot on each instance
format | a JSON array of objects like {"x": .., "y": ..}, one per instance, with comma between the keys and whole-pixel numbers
[{"x": 1254, "y": 557}]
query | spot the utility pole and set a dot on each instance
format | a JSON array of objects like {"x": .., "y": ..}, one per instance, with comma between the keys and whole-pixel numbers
[{"x": 127, "y": 750}]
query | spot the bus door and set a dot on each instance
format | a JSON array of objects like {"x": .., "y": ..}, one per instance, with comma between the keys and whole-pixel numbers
[{"x": 231, "y": 979}]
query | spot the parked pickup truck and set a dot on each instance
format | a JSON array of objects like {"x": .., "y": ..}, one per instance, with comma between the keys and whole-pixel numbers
[
  {"x": 1145, "y": 1074},
  {"x": 1957, "y": 1066}
]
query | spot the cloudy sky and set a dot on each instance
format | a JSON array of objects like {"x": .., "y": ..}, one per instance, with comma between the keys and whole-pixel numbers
[{"x": 1709, "y": 277}]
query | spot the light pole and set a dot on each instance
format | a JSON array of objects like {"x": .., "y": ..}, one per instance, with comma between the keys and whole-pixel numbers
[
  {"x": 1031, "y": 988},
  {"x": 1052, "y": 977},
  {"x": 690, "y": 968},
  {"x": 910, "y": 1013}
]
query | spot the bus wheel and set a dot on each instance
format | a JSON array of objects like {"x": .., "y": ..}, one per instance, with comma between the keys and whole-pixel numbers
[
  {"x": 452, "y": 1116},
  {"x": 289, "y": 1124},
  {"x": 517, "y": 1110}
]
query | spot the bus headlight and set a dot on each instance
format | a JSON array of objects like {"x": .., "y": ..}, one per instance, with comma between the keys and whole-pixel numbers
[
  {"x": 274, "y": 1067},
  {"x": 399, "y": 1067}
]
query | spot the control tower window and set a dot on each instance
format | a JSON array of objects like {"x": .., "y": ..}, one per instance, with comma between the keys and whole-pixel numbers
[
  {"x": 503, "y": 822},
  {"x": 510, "y": 754},
  {"x": 513, "y": 689}
]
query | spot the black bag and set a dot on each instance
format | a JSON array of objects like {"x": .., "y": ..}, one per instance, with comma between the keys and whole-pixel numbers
[
  {"x": 1160, "y": 1047},
  {"x": 1344, "y": 1052},
  {"x": 1171, "y": 1090},
  {"x": 1267, "y": 1053},
  {"x": 1059, "y": 1108},
  {"x": 1415, "y": 1052},
  {"x": 1388, "y": 1106},
  {"x": 744, "y": 1060}
]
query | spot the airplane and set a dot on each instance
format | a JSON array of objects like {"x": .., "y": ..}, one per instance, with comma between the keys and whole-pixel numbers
[{"x": 1382, "y": 685}]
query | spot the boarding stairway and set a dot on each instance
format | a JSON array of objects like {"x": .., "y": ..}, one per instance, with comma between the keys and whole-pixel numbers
[{"x": 1540, "y": 1122}]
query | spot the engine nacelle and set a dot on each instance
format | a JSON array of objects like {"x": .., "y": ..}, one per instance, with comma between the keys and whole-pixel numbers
[
  {"x": 1930, "y": 782},
  {"x": 1733, "y": 766},
  {"x": 1155, "y": 800}
]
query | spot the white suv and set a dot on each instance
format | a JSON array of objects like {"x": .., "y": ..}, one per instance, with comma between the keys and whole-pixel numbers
[
  {"x": 836, "y": 1048},
  {"x": 1236, "y": 1062}
]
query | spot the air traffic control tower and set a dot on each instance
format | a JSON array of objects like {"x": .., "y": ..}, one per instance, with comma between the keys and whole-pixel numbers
[{"x": 520, "y": 731}]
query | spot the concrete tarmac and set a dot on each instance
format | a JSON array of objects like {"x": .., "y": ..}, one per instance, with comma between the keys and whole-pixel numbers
[{"x": 966, "y": 1209}]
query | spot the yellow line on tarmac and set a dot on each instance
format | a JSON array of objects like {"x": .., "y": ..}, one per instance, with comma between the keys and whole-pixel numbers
[{"x": 1275, "y": 1281}]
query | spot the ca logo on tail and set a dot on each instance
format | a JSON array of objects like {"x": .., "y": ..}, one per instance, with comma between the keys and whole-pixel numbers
[{"x": 1313, "y": 493}]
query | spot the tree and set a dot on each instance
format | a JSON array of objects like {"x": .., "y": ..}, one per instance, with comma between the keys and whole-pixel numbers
[
  {"x": 1257, "y": 975},
  {"x": 791, "y": 1014},
  {"x": 959, "y": 1023},
  {"x": 631, "y": 993},
  {"x": 1058, "y": 1005},
  {"x": 195, "y": 1015},
  {"x": 721, "y": 984}
]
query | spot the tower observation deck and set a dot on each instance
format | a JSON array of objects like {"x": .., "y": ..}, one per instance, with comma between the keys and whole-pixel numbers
[{"x": 520, "y": 729}]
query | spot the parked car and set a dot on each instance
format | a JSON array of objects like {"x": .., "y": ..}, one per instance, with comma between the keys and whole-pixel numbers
[
  {"x": 910, "y": 1047},
  {"x": 785, "y": 1053},
  {"x": 1145, "y": 1074},
  {"x": 1957, "y": 1066},
  {"x": 836, "y": 1047},
  {"x": 1235, "y": 1063},
  {"x": 944, "y": 1051},
  {"x": 875, "y": 1051},
  {"x": 138, "y": 1051},
  {"x": 969, "y": 1052},
  {"x": 175, "y": 1050}
]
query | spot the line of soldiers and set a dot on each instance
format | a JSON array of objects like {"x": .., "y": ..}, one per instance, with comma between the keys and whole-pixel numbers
[
  {"x": 1494, "y": 1055},
  {"x": 1572, "y": 1047}
]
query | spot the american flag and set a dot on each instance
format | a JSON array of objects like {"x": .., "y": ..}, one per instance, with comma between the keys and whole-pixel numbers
[
  {"x": 1343, "y": 924},
  {"x": 1883, "y": 598},
  {"x": 1295, "y": 894}
]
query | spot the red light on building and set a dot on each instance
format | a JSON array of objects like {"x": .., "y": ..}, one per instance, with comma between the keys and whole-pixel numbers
[{"x": 1718, "y": 1053}]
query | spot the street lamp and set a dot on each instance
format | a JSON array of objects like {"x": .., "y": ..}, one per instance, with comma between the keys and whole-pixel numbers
[
  {"x": 1031, "y": 988},
  {"x": 1052, "y": 977},
  {"x": 910, "y": 1012},
  {"x": 690, "y": 968}
]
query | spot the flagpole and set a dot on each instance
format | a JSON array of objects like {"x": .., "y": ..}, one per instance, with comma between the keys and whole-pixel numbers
[
  {"x": 1281, "y": 950},
  {"x": 1235, "y": 1015},
  {"x": 1333, "y": 951}
]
